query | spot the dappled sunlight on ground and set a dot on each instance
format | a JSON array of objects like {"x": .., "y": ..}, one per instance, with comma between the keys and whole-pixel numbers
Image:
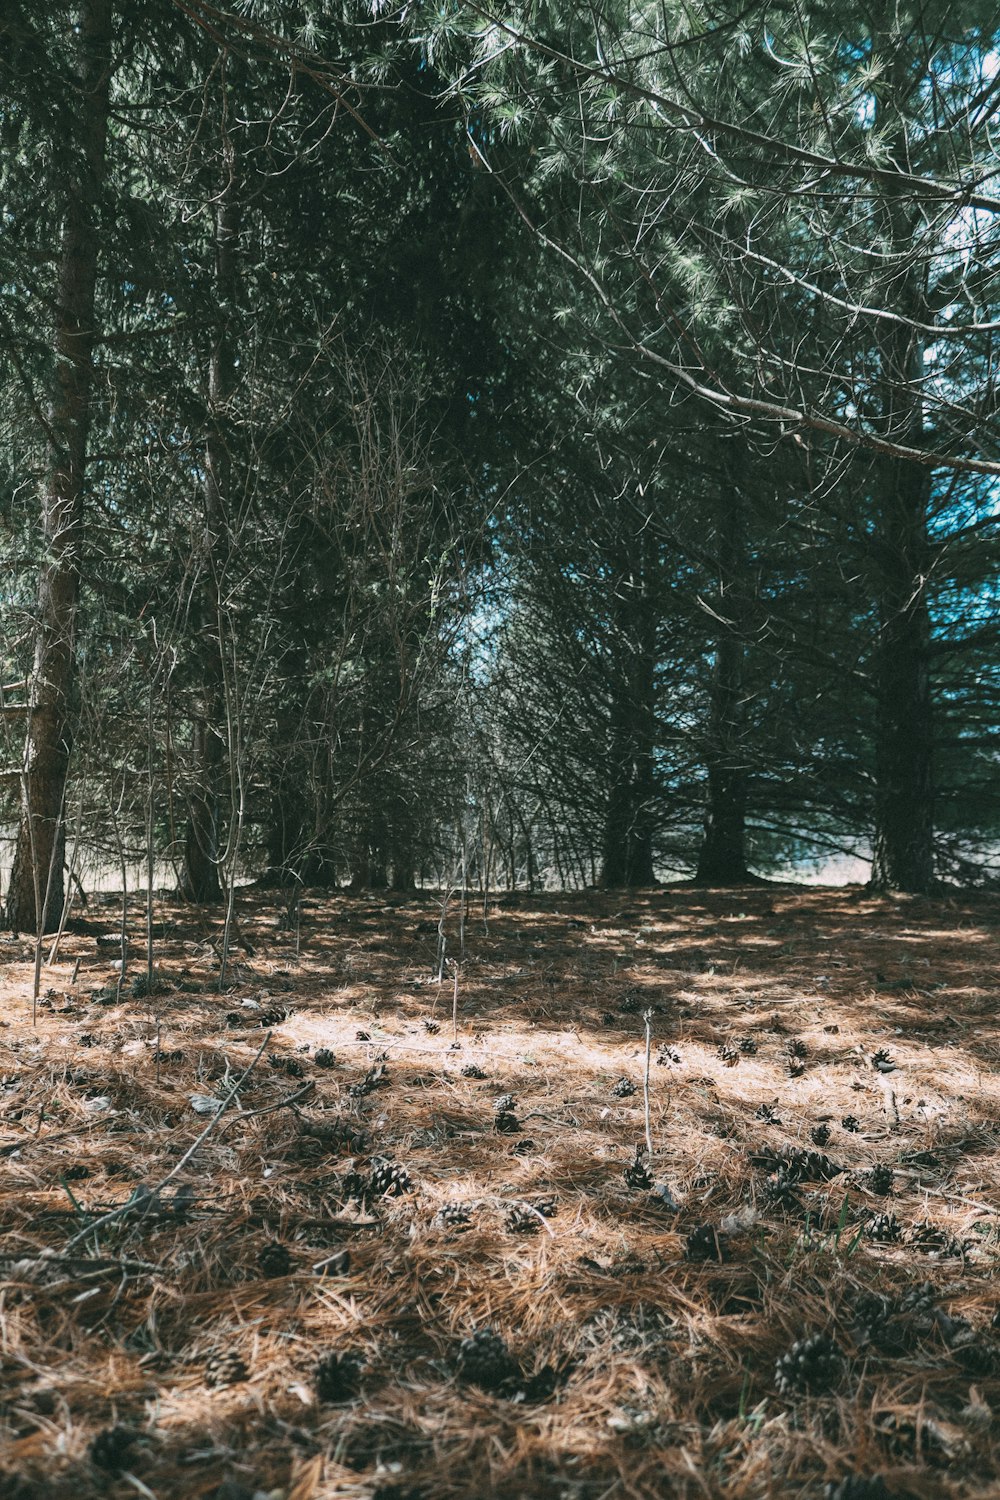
[{"x": 824, "y": 1112}]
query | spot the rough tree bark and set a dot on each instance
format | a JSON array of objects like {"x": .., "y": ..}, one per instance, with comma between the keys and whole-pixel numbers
[
  {"x": 903, "y": 845},
  {"x": 903, "y": 841},
  {"x": 38, "y": 855},
  {"x": 199, "y": 880},
  {"x": 628, "y": 820},
  {"x": 722, "y": 858}
]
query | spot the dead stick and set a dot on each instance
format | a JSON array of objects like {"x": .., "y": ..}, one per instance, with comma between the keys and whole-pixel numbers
[
  {"x": 647, "y": 1016},
  {"x": 129, "y": 1207},
  {"x": 267, "y": 1109},
  {"x": 86, "y": 1265}
]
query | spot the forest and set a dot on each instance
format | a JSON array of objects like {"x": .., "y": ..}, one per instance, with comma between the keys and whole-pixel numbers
[{"x": 499, "y": 735}]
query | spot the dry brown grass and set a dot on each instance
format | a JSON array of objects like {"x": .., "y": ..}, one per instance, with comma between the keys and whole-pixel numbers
[{"x": 664, "y": 1365}]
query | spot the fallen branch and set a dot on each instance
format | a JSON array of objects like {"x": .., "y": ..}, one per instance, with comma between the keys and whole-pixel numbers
[{"x": 82, "y": 1264}]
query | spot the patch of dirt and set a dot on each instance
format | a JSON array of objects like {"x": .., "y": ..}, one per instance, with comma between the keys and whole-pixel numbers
[{"x": 423, "y": 1258}]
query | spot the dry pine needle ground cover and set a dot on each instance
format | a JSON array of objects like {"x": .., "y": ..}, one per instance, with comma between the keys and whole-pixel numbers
[{"x": 398, "y": 1266}]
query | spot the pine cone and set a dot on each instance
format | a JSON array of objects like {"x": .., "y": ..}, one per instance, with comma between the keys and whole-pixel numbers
[
  {"x": 926, "y": 1236},
  {"x": 504, "y": 1104},
  {"x": 223, "y": 1368},
  {"x": 289, "y": 1065},
  {"x": 324, "y": 1058},
  {"x": 748, "y": 1046},
  {"x": 485, "y": 1360},
  {"x": 110, "y": 1449},
  {"x": 872, "y": 1314},
  {"x": 820, "y": 1135},
  {"x": 431, "y": 1027},
  {"x": 637, "y": 1174},
  {"x": 780, "y": 1193},
  {"x": 453, "y": 1216},
  {"x": 812, "y": 1364},
  {"x": 335, "y": 1378},
  {"x": 920, "y": 1299},
  {"x": 272, "y": 1016},
  {"x": 797, "y": 1048},
  {"x": 353, "y": 1187},
  {"x": 766, "y": 1113},
  {"x": 472, "y": 1070},
  {"x": 630, "y": 1004},
  {"x": 975, "y": 1356},
  {"x": 506, "y": 1124},
  {"x": 885, "y": 1229},
  {"x": 608, "y": 1018},
  {"x": 879, "y": 1180},
  {"x": 388, "y": 1180},
  {"x": 667, "y": 1056},
  {"x": 851, "y": 1123},
  {"x": 547, "y": 1204},
  {"x": 274, "y": 1260},
  {"x": 520, "y": 1220},
  {"x": 623, "y": 1089},
  {"x": 705, "y": 1243},
  {"x": 729, "y": 1054},
  {"x": 809, "y": 1166},
  {"x": 883, "y": 1062},
  {"x": 362, "y": 1036},
  {"x": 544, "y": 1382}
]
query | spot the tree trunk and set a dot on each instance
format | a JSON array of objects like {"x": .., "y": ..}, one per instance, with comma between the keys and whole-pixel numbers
[
  {"x": 722, "y": 858},
  {"x": 200, "y": 871},
  {"x": 903, "y": 841},
  {"x": 629, "y": 811},
  {"x": 903, "y": 846},
  {"x": 199, "y": 879},
  {"x": 38, "y": 855},
  {"x": 369, "y": 868},
  {"x": 614, "y": 863}
]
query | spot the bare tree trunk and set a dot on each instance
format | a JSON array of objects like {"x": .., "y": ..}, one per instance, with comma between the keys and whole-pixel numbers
[
  {"x": 643, "y": 704},
  {"x": 39, "y": 852},
  {"x": 903, "y": 847},
  {"x": 629, "y": 813},
  {"x": 617, "y": 811},
  {"x": 722, "y": 858},
  {"x": 200, "y": 873},
  {"x": 903, "y": 842}
]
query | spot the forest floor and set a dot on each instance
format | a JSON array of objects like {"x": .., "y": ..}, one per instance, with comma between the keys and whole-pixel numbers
[{"x": 373, "y": 1279}]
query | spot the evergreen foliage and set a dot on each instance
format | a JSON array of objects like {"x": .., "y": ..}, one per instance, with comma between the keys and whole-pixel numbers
[{"x": 550, "y": 445}]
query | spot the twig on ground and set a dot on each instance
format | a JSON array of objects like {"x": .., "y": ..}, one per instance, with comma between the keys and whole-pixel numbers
[
  {"x": 267, "y": 1109},
  {"x": 454, "y": 1001},
  {"x": 129, "y": 1207},
  {"x": 647, "y": 1017}
]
